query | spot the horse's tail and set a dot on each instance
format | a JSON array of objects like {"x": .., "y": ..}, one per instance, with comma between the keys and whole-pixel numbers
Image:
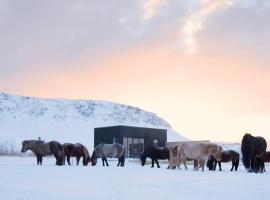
[
  {"x": 123, "y": 157},
  {"x": 61, "y": 155}
]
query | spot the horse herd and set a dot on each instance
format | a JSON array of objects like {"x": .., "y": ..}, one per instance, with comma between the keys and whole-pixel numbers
[
  {"x": 67, "y": 150},
  {"x": 253, "y": 150}
]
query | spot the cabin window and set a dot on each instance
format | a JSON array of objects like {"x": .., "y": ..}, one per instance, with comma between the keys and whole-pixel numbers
[{"x": 134, "y": 146}]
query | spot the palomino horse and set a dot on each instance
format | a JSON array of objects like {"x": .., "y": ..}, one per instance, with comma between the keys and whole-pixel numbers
[
  {"x": 253, "y": 151},
  {"x": 155, "y": 153},
  {"x": 45, "y": 149},
  {"x": 199, "y": 152},
  {"x": 104, "y": 150},
  {"x": 226, "y": 156},
  {"x": 174, "y": 159},
  {"x": 76, "y": 150}
]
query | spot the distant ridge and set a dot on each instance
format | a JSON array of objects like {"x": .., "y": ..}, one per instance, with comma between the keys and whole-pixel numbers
[{"x": 24, "y": 117}]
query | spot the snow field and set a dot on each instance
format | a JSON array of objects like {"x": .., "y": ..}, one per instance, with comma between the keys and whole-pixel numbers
[{"x": 21, "y": 178}]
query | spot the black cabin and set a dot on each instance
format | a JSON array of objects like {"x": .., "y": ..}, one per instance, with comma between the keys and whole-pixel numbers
[{"x": 135, "y": 139}]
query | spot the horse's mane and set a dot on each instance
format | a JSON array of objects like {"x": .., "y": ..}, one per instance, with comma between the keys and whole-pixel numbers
[{"x": 85, "y": 152}]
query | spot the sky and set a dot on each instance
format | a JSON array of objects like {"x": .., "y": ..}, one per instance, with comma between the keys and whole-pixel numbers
[{"x": 202, "y": 65}]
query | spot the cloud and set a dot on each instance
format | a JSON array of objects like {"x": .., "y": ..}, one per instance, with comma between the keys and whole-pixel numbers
[
  {"x": 150, "y": 7},
  {"x": 194, "y": 21}
]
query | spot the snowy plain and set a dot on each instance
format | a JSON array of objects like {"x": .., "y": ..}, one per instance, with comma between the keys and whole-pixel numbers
[{"x": 21, "y": 178}]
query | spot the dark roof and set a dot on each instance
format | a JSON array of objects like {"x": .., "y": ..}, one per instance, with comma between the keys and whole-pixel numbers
[{"x": 124, "y": 126}]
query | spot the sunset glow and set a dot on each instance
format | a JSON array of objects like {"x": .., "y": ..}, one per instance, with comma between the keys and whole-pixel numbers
[{"x": 202, "y": 66}]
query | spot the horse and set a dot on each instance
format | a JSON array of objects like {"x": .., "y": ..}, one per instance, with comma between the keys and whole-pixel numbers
[
  {"x": 253, "y": 150},
  {"x": 41, "y": 149},
  {"x": 199, "y": 152},
  {"x": 226, "y": 156},
  {"x": 104, "y": 150},
  {"x": 174, "y": 158},
  {"x": 76, "y": 150},
  {"x": 155, "y": 153}
]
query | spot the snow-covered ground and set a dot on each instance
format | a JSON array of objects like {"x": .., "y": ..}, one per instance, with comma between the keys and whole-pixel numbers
[{"x": 21, "y": 179}]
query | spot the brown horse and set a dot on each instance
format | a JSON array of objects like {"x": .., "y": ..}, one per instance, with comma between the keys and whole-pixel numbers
[
  {"x": 76, "y": 150},
  {"x": 227, "y": 156},
  {"x": 198, "y": 151}
]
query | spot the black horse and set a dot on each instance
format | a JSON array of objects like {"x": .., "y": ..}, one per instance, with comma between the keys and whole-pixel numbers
[
  {"x": 155, "y": 153},
  {"x": 253, "y": 151},
  {"x": 41, "y": 149},
  {"x": 226, "y": 156}
]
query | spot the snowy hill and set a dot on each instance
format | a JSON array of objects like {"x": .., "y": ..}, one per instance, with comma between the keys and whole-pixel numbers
[{"x": 68, "y": 120}]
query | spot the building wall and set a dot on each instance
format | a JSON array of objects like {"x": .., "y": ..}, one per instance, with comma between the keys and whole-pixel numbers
[{"x": 117, "y": 133}]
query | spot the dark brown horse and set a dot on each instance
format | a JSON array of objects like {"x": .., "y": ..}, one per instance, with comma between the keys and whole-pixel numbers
[
  {"x": 76, "y": 150},
  {"x": 253, "y": 151},
  {"x": 41, "y": 149},
  {"x": 226, "y": 156},
  {"x": 155, "y": 154}
]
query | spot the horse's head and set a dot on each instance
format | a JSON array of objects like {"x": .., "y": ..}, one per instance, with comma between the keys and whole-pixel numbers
[
  {"x": 94, "y": 158},
  {"x": 86, "y": 160},
  {"x": 217, "y": 153},
  {"x": 25, "y": 146},
  {"x": 143, "y": 158}
]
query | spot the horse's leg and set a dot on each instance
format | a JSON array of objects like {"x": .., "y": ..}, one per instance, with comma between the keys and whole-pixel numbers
[
  {"x": 119, "y": 160},
  {"x": 179, "y": 163},
  {"x": 233, "y": 165},
  {"x": 56, "y": 157},
  {"x": 152, "y": 163},
  {"x": 157, "y": 163},
  {"x": 198, "y": 166},
  {"x": 78, "y": 159},
  {"x": 202, "y": 164},
  {"x": 236, "y": 164},
  {"x": 106, "y": 162},
  {"x": 215, "y": 165},
  {"x": 68, "y": 160},
  {"x": 185, "y": 164},
  {"x": 262, "y": 168},
  {"x": 103, "y": 161},
  {"x": 37, "y": 159},
  {"x": 252, "y": 166},
  {"x": 219, "y": 165},
  {"x": 40, "y": 160},
  {"x": 195, "y": 164}
]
